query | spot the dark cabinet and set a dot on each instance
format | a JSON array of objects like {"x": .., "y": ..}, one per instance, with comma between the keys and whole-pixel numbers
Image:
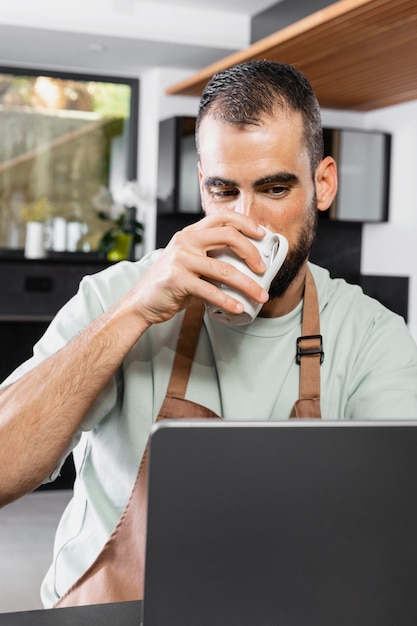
[
  {"x": 363, "y": 159},
  {"x": 178, "y": 195},
  {"x": 31, "y": 294},
  {"x": 34, "y": 290}
]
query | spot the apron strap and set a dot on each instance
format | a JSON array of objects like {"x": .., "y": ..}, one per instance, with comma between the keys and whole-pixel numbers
[
  {"x": 309, "y": 354},
  {"x": 186, "y": 347}
]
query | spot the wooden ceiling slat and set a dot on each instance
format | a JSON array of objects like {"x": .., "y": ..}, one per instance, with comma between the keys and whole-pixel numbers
[
  {"x": 358, "y": 54},
  {"x": 321, "y": 45}
]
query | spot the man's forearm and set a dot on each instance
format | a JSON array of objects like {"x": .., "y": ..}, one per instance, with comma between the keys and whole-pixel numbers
[{"x": 40, "y": 412}]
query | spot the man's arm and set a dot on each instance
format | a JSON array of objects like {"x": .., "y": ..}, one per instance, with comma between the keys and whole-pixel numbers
[{"x": 41, "y": 411}]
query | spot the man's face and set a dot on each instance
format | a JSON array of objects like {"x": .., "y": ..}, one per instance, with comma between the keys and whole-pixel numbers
[{"x": 263, "y": 172}]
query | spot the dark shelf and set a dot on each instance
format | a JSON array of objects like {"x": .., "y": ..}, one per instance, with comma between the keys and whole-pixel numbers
[
  {"x": 17, "y": 254},
  {"x": 178, "y": 214}
]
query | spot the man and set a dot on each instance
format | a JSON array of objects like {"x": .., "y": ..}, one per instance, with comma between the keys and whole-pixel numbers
[{"x": 99, "y": 376}]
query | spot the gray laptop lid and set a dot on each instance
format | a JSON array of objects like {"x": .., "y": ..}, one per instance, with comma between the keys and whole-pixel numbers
[{"x": 307, "y": 523}]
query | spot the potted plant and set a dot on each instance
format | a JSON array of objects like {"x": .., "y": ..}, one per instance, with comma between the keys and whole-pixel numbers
[{"x": 126, "y": 231}]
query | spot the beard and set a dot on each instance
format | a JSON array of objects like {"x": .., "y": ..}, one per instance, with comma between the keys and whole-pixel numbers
[{"x": 296, "y": 255}]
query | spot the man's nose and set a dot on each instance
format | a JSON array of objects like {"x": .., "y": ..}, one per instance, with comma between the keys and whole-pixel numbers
[{"x": 245, "y": 204}]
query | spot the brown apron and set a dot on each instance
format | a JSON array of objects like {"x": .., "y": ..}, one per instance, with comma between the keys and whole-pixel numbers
[{"x": 117, "y": 574}]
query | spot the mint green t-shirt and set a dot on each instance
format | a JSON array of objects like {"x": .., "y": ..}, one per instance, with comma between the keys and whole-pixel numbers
[{"x": 241, "y": 373}]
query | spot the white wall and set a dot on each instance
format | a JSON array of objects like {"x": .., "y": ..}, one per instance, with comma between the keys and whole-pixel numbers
[{"x": 388, "y": 248}]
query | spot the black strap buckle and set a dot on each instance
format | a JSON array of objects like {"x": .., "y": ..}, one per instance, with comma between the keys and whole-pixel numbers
[{"x": 309, "y": 351}]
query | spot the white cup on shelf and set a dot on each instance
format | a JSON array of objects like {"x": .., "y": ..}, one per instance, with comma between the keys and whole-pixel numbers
[
  {"x": 59, "y": 234},
  {"x": 35, "y": 241}
]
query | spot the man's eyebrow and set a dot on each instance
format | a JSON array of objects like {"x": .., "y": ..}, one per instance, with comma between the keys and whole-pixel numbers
[
  {"x": 215, "y": 181},
  {"x": 279, "y": 177}
]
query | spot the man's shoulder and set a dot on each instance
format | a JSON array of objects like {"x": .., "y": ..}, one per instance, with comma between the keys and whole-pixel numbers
[
  {"x": 339, "y": 295},
  {"x": 120, "y": 277}
]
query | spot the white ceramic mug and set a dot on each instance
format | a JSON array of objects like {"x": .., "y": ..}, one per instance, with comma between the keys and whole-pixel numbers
[
  {"x": 59, "y": 234},
  {"x": 75, "y": 230},
  {"x": 273, "y": 249},
  {"x": 35, "y": 242}
]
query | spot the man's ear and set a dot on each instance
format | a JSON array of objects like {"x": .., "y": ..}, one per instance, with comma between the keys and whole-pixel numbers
[{"x": 326, "y": 183}]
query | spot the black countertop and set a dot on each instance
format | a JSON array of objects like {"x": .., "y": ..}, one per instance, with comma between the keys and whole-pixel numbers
[{"x": 120, "y": 614}]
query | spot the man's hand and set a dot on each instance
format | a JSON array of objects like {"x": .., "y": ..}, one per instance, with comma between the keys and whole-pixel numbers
[{"x": 179, "y": 276}]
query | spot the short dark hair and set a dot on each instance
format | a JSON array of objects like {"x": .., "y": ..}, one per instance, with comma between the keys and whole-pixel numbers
[{"x": 242, "y": 94}]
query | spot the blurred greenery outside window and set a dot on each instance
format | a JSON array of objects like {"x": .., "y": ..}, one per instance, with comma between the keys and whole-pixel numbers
[{"x": 67, "y": 142}]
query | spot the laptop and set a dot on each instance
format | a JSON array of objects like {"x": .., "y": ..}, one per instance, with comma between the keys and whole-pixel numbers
[{"x": 299, "y": 523}]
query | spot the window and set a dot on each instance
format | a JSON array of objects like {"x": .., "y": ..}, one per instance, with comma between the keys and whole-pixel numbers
[{"x": 67, "y": 141}]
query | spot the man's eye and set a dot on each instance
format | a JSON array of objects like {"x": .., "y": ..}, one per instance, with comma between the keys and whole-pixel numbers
[
  {"x": 276, "y": 190},
  {"x": 222, "y": 192}
]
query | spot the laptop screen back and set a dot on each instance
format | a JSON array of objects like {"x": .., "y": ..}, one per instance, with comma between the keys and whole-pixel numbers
[{"x": 282, "y": 524}]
